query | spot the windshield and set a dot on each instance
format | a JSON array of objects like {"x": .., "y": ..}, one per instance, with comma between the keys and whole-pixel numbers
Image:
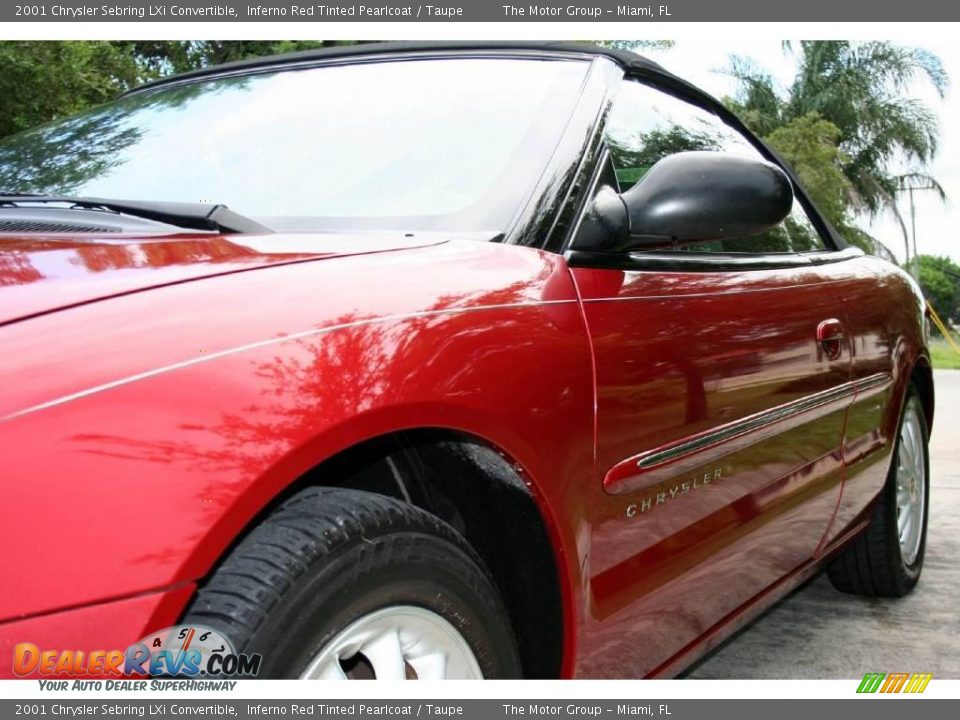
[{"x": 437, "y": 144}]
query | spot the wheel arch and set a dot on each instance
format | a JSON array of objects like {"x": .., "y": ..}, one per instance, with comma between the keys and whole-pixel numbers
[
  {"x": 922, "y": 378},
  {"x": 493, "y": 503}
]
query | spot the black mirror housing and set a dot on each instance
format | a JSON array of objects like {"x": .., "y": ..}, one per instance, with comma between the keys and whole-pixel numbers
[{"x": 689, "y": 197}]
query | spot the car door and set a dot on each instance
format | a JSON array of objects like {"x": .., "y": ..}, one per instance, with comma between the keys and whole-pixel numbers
[
  {"x": 721, "y": 387},
  {"x": 881, "y": 309}
]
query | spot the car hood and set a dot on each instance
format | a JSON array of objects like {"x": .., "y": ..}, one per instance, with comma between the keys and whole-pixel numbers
[{"x": 42, "y": 274}]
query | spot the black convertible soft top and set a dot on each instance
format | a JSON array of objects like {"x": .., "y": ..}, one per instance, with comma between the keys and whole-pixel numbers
[{"x": 628, "y": 60}]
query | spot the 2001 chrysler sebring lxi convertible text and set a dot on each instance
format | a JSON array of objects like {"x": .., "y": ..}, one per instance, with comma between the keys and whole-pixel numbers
[{"x": 512, "y": 360}]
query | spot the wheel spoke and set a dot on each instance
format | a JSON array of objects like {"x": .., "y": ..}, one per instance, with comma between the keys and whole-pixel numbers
[
  {"x": 386, "y": 656},
  {"x": 912, "y": 442},
  {"x": 919, "y": 468},
  {"x": 906, "y": 526},
  {"x": 331, "y": 671},
  {"x": 430, "y": 667},
  {"x": 906, "y": 447},
  {"x": 903, "y": 500}
]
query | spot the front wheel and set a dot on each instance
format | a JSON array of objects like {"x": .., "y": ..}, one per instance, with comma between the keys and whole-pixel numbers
[
  {"x": 344, "y": 584},
  {"x": 886, "y": 560}
]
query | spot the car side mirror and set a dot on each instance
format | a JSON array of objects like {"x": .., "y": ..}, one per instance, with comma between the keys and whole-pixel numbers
[{"x": 688, "y": 197}]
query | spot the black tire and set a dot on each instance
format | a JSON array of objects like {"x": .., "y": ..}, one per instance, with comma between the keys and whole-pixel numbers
[
  {"x": 874, "y": 565},
  {"x": 327, "y": 557}
]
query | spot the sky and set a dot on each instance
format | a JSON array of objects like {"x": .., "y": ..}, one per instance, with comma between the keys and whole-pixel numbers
[{"x": 938, "y": 223}]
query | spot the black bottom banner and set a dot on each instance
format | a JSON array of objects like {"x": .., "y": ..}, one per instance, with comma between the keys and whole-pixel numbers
[{"x": 764, "y": 709}]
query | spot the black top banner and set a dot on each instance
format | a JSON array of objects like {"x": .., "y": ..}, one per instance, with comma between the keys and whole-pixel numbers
[{"x": 481, "y": 11}]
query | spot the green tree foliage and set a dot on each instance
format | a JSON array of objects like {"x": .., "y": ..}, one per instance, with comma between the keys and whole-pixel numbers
[
  {"x": 637, "y": 46},
  {"x": 43, "y": 81},
  {"x": 940, "y": 281},
  {"x": 809, "y": 144},
  {"x": 863, "y": 90}
]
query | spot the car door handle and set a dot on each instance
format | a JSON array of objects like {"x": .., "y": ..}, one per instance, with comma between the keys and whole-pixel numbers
[{"x": 830, "y": 337}]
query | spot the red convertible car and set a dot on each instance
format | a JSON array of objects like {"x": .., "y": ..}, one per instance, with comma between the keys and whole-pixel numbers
[{"x": 439, "y": 360}]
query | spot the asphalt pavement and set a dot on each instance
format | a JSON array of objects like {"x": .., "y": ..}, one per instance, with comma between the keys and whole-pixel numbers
[{"x": 819, "y": 632}]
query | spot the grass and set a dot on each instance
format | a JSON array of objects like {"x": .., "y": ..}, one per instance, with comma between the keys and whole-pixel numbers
[{"x": 943, "y": 356}]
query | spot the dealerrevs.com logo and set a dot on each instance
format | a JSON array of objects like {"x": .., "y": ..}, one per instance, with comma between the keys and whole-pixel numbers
[{"x": 180, "y": 651}]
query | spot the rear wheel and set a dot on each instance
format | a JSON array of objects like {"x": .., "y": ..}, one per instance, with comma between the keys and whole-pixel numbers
[
  {"x": 886, "y": 560},
  {"x": 344, "y": 584}
]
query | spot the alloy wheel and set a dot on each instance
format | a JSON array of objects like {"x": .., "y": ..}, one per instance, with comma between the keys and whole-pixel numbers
[{"x": 396, "y": 643}]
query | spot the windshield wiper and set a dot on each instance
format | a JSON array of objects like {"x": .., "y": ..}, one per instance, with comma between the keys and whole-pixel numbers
[{"x": 193, "y": 216}]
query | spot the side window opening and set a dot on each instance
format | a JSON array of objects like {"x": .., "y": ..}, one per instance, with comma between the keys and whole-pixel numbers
[{"x": 646, "y": 125}]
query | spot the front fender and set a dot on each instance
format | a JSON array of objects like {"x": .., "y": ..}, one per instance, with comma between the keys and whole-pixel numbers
[{"x": 173, "y": 417}]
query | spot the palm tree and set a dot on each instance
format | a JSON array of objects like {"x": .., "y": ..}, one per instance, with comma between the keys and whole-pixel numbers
[{"x": 863, "y": 90}]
